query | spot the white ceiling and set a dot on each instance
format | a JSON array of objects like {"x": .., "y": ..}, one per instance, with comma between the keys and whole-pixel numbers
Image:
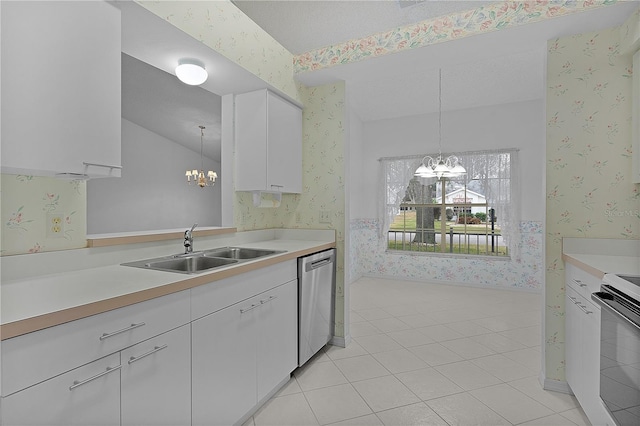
[
  {"x": 498, "y": 67},
  {"x": 304, "y": 25},
  {"x": 158, "y": 101},
  {"x": 493, "y": 68}
]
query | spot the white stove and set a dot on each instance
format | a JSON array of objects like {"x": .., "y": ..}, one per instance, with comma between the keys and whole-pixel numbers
[{"x": 627, "y": 284}]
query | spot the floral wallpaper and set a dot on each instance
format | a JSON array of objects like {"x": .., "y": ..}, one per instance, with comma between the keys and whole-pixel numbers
[
  {"x": 492, "y": 17},
  {"x": 323, "y": 147},
  {"x": 630, "y": 33},
  {"x": 368, "y": 257},
  {"x": 42, "y": 214},
  {"x": 589, "y": 191},
  {"x": 223, "y": 27}
]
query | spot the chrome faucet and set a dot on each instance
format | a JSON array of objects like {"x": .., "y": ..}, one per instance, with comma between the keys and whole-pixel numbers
[{"x": 188, "y": 239}]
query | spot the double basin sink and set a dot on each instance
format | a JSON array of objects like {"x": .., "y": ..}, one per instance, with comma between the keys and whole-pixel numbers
[{"x": 193, "y": 263}]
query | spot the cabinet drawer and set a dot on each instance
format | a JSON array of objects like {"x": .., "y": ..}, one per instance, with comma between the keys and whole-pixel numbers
[
  {"x": 581, "y": 281},
  {"x": 88, "y": 395},
  {"x": 584, "y": 305},
  {"x": 220, "y": 294},
  {"x": 37, "y": 356}
]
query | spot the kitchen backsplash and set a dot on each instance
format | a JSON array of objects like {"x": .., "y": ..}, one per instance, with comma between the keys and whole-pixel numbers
[
  {"x": 588, "y": 172},
  {"x": 42, "y": 214}
]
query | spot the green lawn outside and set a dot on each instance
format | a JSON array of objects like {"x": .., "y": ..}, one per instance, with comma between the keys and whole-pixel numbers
[{"x": 406, "y": 221}]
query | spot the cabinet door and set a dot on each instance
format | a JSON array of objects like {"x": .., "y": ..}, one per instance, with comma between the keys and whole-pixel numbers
[
  {"x": 224, "y": 365},
  {"x": 573, "y": 345},
  {"x": 590, "y": 350},
  {"x": 284, "y": 145},
  {"x": 88, "y": 395},
  {"x": 251, "y": 141},
  {"x": 278, "y": 337},
  {"x": 61, "y": 94},
  {"x": 156, "y": 380}
]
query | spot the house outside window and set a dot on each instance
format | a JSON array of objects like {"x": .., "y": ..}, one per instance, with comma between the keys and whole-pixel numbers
[{"x": 472, "y": 215}]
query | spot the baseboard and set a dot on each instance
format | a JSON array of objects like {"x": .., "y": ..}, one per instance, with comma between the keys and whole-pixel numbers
[
  {"x": 263, "y": 401},
  {"x": 340, "y": 341},
  {"x": 556, "y": 386}
]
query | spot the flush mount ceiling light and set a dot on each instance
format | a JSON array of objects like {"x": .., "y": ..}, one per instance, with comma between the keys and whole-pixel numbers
[
  {"x": 199, "y": 177},
  {"x": 191, "y": 72},
  {"x": 440, "y": 167}
]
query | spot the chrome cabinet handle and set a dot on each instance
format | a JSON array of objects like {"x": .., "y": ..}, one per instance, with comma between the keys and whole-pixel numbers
[
  {"x": 572, "y": 298},
  {"x": 253, "y": 306},
  {"x": 146, "y": 354},
  {"x": 77, "y": 383},
  {"x": 584, "y": 309},
  {"x": 108, "y": 166},
  {"x": 262, "y": 302},
  {"x": 580, "y": 283},
  {"x": 113, "y": 333}
]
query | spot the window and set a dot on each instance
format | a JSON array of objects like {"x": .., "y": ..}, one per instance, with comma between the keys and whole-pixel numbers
[{"x": 475, "y": 214}]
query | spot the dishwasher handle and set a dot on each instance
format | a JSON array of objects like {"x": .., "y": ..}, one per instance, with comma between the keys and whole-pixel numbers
[{"x": 319, "y": 263}]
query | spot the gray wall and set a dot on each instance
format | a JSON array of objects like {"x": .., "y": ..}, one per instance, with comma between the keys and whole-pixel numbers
[{"x": 152, "y": 193}]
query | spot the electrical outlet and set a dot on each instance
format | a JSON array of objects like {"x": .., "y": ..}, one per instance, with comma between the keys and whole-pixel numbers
[
  {"x": 55, "y": 225},
  {"x": 325, "y": 216}
]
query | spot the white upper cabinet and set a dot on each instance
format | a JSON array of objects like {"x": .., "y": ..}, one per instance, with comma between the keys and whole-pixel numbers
[
  {"x": 60, "y": 92},
  {"x": 268, "y": 143}
]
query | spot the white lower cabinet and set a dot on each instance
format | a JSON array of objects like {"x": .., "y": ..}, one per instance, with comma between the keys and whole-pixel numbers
[
  {"x": 205, "y": 356},
  {"x": 241, "y": 353},
  {"x": 277, "y": 341},
  {"x": 224, "y": 365},
  {"x": 88, "y": 395},
  {"x": 146, "y": 384},
  {"x": 582, "y": 344},
  {"x": 156, "y": 380}
]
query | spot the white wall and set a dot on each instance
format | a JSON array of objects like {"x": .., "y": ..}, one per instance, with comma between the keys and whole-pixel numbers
[
  {"x": 516, "y": 125},
  {"x": 152, "y": 192}
]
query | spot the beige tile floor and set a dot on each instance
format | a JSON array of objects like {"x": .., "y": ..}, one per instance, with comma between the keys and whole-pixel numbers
[{"x": 427, "y": 354}]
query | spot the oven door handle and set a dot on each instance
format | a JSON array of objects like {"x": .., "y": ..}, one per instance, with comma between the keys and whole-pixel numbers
[{"x": 602, "y": 298}]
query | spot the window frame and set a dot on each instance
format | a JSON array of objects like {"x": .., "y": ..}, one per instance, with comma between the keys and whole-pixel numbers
[{"x": 507, "y": 175}]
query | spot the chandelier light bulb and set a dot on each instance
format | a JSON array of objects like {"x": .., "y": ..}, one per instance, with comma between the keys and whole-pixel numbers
[{"x": 200, "y": 178}]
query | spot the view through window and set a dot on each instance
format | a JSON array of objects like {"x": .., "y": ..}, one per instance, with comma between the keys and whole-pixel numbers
[{"x": 472, "y": 214}]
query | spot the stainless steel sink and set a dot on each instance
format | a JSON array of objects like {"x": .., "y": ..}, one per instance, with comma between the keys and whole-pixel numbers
[
  {"x": 184, "y": 264},
  {"x": 202, "y": 261},
  {"x": 239, "y": 253}
]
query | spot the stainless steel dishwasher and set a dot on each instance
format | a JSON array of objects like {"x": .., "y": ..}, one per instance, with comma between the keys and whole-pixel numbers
[{"x": 316, "y": 284}]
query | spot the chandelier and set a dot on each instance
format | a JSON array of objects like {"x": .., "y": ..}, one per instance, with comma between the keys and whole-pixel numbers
[
  {"x": 199, "y": 177},
  {"x": 440, "y": 167}
]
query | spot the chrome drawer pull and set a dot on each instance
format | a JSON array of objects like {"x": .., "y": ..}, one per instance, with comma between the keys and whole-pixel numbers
[
  {"x": 580, "y": 283},
  {"x": 77, "y": 383},
  {"x": 263, "y": 301},
  {"x": 253, "y": 306},
  {"x": 152, "y": 351},
  {"x": 113, "y": 333}
]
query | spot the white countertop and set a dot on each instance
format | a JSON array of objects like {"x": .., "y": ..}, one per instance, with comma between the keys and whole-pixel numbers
[
  {"x": 609, "y": 264},
  {"x": 43, "y": 295},
  {"x": 600, "y": 256}
]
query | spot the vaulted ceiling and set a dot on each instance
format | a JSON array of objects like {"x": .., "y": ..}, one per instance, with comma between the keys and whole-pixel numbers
[{"x": 492, "y": 68}]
